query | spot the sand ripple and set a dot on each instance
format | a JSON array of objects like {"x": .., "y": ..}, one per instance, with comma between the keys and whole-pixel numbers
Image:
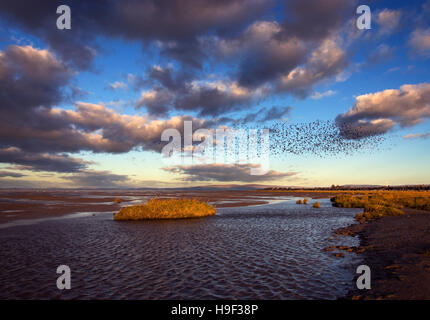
[{"x": 263, "y": 252}]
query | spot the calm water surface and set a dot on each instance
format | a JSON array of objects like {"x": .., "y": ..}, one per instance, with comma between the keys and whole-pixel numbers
[{"x": 262, "y": 252}]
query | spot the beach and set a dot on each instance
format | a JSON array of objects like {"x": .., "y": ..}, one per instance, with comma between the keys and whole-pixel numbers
[{"x": 397, "y": 249}]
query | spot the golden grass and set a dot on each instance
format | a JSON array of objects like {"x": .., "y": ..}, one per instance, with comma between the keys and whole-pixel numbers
[
  {"x": 305, "y": 201},
  {"x": 166, "y": 209},
  {"x": 317, "y": 205},
  {"x": 299, "y": 201},
  {"x": 378, "y": 204}
]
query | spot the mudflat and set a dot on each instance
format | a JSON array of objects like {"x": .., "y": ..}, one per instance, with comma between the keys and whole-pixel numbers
[
  {"x": 397, "y": 250},
  {"x": 31, "y": 204}
]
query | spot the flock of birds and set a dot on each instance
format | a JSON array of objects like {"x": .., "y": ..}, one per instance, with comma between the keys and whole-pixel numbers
[{"x": 319, "y": 138}]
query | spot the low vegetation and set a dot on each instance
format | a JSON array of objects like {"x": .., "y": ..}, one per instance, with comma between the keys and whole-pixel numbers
[
  {"x": 299, "y": 201},
  {"x": 305, "y": 201},
  {"x": 317, "y": 205},
  {"x": 166, "y": 209},
  {"x": 383, "y": 203},
  {"x": 117, "y": 200}
]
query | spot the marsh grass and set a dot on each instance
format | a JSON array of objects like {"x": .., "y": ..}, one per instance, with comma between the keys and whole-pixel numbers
[
  {"x": 305, "y": 201},
  {"x": 383, "y": 203},
  {"x": 317, "y": 205},
  {"x": 166, "y": 209},
  {"x": 299, "y": 201}
]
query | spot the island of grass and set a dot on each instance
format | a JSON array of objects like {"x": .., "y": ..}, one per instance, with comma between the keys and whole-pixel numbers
[{"x": 166, "y": 209}]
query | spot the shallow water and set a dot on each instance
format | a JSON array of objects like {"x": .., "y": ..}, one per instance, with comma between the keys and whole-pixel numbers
[{"x": 269, "y": 251}]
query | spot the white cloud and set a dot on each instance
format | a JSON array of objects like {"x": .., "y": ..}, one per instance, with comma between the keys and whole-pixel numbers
[{"x": 318, "y": 95}]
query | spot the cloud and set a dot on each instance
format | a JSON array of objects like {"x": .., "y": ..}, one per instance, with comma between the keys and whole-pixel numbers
[
  {"x": 269, "y": 50},
  {"x": 41, "y": 161},
  {"x": 262, "y": 115},
  {"x": 377, "y": 113},
  {"x": 326, "y": 61},
  {"x": 382, "y": 53},
  {"x": 282, "y": 72},
  {"x": 275, "y": 113},
  {"x": 33, "y": 81},
  {"x": 4, "y": 174},
  {"x": 417, "y": 136},
  {"x": 30, "y": 78},
  {"x": 206, "y": 97},
  {"x": 263, "y": 56},
  {"x": 225, "y": 173},
  {"x": 98, "y": 179},
  {"x": 420, "y": 41},
  {"x": 37, "y": 135},
  {"x": 144, "y": 21},
  {"x": 319, "y": 95},
  {"x": 96, "y": 128},
  {"x": 388, "y": 20},
  {"x": 117, "y": 85},
  {"x": 316, "y": 19}
]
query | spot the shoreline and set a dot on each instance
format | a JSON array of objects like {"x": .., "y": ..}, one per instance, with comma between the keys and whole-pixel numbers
[{"x": 397, "y": 250}]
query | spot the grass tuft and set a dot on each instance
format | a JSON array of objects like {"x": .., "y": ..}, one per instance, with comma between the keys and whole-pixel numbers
[
  {"x": 166, "y": 209},
  {"x": 382, "y": 203},
  {"x": 299, "y": 201},
  {"x": 317, "y": 205}
]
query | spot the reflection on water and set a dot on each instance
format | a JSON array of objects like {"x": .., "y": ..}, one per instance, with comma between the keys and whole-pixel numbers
[{"x": 262, "y": 252}]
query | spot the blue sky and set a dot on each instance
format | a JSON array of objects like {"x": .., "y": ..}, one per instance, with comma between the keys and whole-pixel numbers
[{"x": 237, "y": 63}]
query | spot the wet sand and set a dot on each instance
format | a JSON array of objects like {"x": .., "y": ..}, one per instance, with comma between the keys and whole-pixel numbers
[
  {"x": 397, "y": 250},
  {"x": 35, "y": 204},
  {"x": 272, "y": 251}
]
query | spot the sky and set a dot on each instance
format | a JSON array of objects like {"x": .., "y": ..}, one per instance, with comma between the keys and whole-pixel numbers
[{"x": 86, "y": 106}]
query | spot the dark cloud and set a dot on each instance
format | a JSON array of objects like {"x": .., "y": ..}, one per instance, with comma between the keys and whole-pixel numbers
[
  {"x": 33, "y": 81},
  {"x": 98, "y": 179},
  {"x": 179, "y": 91},
  {"x": 4, "y": 174},
  {"x": 30, "y": 78},
  {"x": 316, "y": 19},
  {"x": 260, "y": 116},
  {"x": 211, "y": 97},
  {"x": 270, "y": 50},
  {"x": 143, "y": 20},
  {"x": 168, "y": 78},
  {"x": 91, "y": 127},
  {"x": 264, "y": 57},
  {"x": 214, "y": 99},
  {"x": 377, "y": 113},
  {"x": 276, "y": 113},
  {"x": 328, "y": 60},
  {"x": 37, "y": 136},
  {"x": 225, "y": 173},
  {"x": 42, "y": 161}
]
